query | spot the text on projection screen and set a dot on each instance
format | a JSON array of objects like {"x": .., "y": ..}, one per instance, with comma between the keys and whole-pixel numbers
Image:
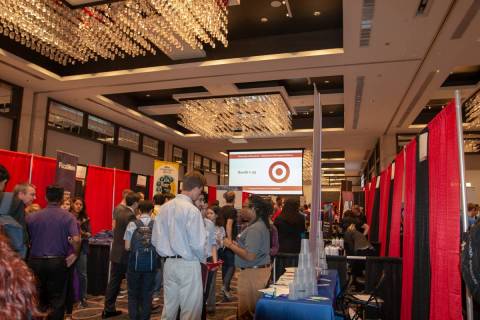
[{"x": 267, "y": 172}]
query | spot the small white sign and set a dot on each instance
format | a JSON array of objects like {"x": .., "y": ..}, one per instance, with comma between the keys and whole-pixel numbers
[{"x": 141, "y": 181}]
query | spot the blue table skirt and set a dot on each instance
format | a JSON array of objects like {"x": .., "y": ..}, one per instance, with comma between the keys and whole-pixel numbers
[{"x": 280, "y": 308}]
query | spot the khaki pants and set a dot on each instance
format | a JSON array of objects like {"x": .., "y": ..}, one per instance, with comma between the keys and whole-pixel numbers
[
  {"x": 249, "y": 282},
  {"x": 182, "y": 283}
]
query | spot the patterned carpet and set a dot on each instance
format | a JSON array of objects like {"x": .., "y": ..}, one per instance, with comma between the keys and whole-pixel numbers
[{"x": 224, "y": 310}]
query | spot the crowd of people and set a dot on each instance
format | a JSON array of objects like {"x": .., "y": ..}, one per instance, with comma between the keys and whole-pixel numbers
[{"x": 173, "y": 242}]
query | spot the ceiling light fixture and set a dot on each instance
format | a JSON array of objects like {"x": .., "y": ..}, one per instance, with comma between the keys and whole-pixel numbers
[
  {"x": 317, "y": 13},
  {"x": 264, "y": 19},
  {"x": 127, "y": 28},
  {"x": 327, "y": 81},
  {"x": 238, "y": 116},
  {"x": 147, "y": 95},
  {"x": 275, "y": 4}
]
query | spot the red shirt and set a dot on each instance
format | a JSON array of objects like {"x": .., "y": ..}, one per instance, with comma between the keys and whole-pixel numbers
[{"x": 276, "y": 214}]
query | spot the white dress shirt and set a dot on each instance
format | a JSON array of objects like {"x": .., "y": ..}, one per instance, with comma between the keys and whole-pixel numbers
[{"x": 179, "y": 230}]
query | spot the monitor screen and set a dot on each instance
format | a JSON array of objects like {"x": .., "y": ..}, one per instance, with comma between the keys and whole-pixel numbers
[{"x": 267, "y": 171}]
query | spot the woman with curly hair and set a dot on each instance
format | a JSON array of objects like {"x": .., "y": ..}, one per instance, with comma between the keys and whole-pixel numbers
[
  {"x": 252, "y": 254},
  {"x": 18, "y": 293}
]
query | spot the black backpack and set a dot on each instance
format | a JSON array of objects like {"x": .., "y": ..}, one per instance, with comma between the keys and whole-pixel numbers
[
  {"x": 471, "y": 261},
  {"x": 143, "y": 257}
]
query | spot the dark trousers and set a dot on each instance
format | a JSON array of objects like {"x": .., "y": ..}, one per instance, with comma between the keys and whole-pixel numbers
[
  {"x": 140, "y": 293},
  {"x": 228, "y": 267},
  {"x": 70, "y": 293},
  {"x": 283, "y": 261},
  {"x": 117, "y": 274},
  {"x": 52, "y": 284}
]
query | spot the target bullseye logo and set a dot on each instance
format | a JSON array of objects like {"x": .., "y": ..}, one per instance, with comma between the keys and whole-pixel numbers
[{"x": 279, "y": 171}]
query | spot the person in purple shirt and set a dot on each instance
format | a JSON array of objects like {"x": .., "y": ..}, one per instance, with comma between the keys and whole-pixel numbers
[{"x": 50, "y": 230}]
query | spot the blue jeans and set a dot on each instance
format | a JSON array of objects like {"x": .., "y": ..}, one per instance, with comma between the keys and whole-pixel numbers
[
  {"x": 158, "y": 279},
  {"x": 81, "y": 266},
  {"x": 140, "y": 292},
  {"x": 228, "y": 267}
]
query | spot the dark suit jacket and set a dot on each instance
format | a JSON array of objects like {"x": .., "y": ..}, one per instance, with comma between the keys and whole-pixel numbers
[{"x": 122, "y": 215}]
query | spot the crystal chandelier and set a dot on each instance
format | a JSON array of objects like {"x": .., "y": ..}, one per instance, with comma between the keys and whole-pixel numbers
[
  {"x": 241, "y": 116},
  {"x": 472, "y": 111},
  {"x": 133, "y": 27}
]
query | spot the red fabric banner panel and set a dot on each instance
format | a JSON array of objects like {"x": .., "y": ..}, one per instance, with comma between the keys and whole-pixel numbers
[
  {"x": 151, "y": 191},
  {"x": 122, "y": 182},
  {"x": 444, "y": 227},
  {"x": 17, "y": 165},
  {"x": 43, "y": 175},
  {"x": 212, "y": 195},
  {"x": 385, "y": 182},
  {"x": 394, "y": 248},
  {"x": 371, "y": 199},
  {"x": 98, "y": 197},
  {"x": 409, "y": 230}
]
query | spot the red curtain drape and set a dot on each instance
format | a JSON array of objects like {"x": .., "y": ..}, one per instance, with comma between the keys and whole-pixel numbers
[
  {"x": 212, "y": 195},
  {"x": 122, "y": 182},
  {"x": 385, "y": 182},
  {"x": 366, "y": 190},
  {"x": 444, "y": 227},
  {"x": 43, "y": 175},
  {"x": 394, "y": 248},
  {"x": 371, "y": 199},
  {"x": 409, "y": 230},
  {"x": 18, "y": 166},
  {"x": 98, "y": 197},
  {"x": 151, "y": 193}
]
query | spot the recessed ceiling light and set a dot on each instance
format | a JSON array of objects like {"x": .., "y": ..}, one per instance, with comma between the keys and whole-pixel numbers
[
  {"x": 275, "y": 4},
  {"x": 327, "y": 81},
  {"x": 283, "y": 2},
  {"x": 147, "y": 95},
  {"x": 331, "y": 112},
  {"x": 264, "y": 19},
  {"x": 317, "y": 13}
]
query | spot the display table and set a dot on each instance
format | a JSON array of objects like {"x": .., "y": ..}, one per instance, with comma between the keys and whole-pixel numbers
[{"x": 279, "y": 308}]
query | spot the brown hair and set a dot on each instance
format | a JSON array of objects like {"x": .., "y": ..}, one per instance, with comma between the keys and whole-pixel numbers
[
  {"x": 229, "y": 196},
  {"x": 193, "y": 180},
  {"x": 18, "y": 293}
]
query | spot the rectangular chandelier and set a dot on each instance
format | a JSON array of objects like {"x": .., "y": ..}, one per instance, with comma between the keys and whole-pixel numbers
[
  {"x": 124, "y": 28},
  {"x": 238, "y": 116}
]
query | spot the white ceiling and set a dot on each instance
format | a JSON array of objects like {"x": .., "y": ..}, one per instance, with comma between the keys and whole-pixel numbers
[{"x": 404, "y": 50}]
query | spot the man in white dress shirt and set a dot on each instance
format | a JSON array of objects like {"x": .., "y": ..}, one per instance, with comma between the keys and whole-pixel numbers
[{"x": 179, "y": 235}]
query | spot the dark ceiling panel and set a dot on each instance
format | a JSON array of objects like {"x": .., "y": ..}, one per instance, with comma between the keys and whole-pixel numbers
[
  {"x": 247, "y": 37},
  {"x": 332, "y": 117},
  {"x": 154, "y": 97},
  {"x": 432, "y": 108},
  {"x": 463, "y": 76},
  {"x": 300, "y": 86},
  {"x": 333, "y": 154}
]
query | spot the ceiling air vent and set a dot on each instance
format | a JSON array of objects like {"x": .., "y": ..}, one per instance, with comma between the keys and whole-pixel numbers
[
  {"x": 366, "y": 24},
  {"x": 466, "y": 20},
  {"x": 358, "y": 101},
  {"x": 422, "y": 7}
]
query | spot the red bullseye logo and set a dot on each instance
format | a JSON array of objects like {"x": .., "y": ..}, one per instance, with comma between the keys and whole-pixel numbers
[{"x": 279, "y": 171}]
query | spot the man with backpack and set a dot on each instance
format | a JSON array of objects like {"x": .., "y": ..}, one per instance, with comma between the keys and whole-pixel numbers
[
  {"x": 12, "y": 216},
  {"x": 142, "y": 263}
]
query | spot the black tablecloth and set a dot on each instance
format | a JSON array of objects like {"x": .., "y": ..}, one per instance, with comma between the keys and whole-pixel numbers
[{"x": 97, "y": 268}]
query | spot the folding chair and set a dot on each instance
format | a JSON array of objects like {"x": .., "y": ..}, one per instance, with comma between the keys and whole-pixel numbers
[{"x": 359, "y": 303}]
